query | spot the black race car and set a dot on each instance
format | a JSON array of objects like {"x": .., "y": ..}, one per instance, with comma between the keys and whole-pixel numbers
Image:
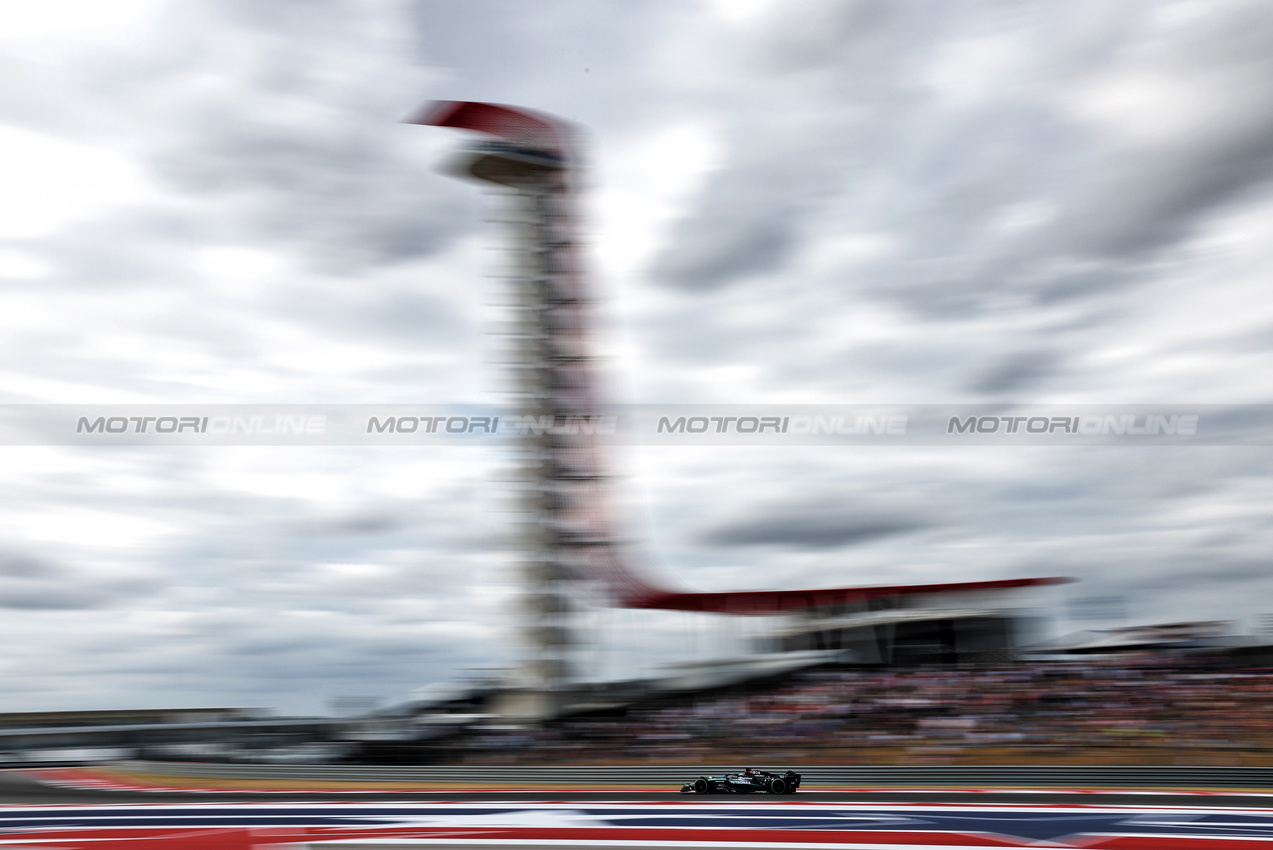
[{"x": 748, "y": 782}]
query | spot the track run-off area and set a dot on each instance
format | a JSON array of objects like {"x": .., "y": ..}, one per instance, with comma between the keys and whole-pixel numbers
[
  {"x": 676, "y": 824},
  {"x": 79, "y": 810}
]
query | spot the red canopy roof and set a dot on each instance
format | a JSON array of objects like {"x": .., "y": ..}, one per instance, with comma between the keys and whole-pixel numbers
[
  {"x": 782, "y": 601},
  {"x": 512, "y": 124}
]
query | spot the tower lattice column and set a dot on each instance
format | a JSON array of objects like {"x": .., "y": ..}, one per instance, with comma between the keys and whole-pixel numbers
[{"x": 569, "y": 548}]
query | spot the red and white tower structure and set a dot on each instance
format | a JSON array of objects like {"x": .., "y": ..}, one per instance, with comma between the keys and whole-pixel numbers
[{"x": 570, "y": 546}]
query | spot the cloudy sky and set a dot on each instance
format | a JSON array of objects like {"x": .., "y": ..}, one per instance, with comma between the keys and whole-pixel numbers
[{"x": 791, "y": 201}]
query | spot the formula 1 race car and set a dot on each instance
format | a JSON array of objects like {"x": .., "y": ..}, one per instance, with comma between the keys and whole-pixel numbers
[{"x": 748, "y": 782}]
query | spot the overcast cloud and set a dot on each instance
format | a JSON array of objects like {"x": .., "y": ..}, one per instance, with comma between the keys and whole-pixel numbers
[{"x": 805, "y": 202}]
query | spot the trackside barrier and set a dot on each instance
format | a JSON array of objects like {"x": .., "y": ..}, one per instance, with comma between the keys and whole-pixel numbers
[{"x": 1097, "y": 776}]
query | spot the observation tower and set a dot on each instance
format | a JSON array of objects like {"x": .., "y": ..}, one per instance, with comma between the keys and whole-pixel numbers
[{"x": 570, "y": 547}]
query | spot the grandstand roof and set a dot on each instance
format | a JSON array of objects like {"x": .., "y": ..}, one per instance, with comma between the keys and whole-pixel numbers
[{"x": 760, "y": 602}]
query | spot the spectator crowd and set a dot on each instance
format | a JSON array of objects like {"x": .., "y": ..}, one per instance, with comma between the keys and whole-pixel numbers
[{"x": 1151, "y": 711}]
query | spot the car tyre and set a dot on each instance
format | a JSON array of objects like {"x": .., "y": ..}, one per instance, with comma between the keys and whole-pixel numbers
[
  {"x": 700, "y": 785},
  {"x": 777, "y": 786}
]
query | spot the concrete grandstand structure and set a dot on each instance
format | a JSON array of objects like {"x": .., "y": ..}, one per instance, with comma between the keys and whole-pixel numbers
[
  {"x": 572, "y": 551},
  {"x": 918, "y": 625}
]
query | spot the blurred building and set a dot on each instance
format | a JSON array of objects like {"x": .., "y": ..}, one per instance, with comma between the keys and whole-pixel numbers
[
  {"x": 915, "y": 626},
  {"x": 51, "y": 737},
  {"x": 1211, "y": 636}
]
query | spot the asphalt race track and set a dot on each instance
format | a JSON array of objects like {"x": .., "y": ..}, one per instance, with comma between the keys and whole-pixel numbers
[
  {"x": 17, "y": 789},
  {"x": 38, "y": 816}
]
